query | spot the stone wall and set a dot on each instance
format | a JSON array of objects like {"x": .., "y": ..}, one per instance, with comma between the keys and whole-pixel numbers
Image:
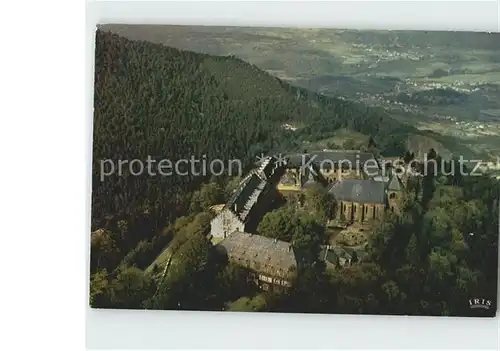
[{"x": 356, "y": 212}]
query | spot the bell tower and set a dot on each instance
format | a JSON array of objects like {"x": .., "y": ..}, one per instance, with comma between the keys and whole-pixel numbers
[{"x": 394, "y": 192}]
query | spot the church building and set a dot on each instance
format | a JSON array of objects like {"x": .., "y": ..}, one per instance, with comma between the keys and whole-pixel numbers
[{"x": 358, "y": 200}]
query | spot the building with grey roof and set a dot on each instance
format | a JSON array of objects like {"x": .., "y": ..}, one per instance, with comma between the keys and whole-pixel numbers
[
  {"x": 358, "y": 200},
  {"x": 359, "y": 191},
  {"x": 340, "y": 257},
  {"x": 343, "y": 158},
  {"x": 272, "y": 261},
  {"x": 332, "y": 158},
  {"x": 335, "y": 165}
]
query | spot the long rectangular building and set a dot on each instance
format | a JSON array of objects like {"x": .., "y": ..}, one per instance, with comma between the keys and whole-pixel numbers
[
  {"x": 272, "y": 261},
  {"x": 250, "y": 200}
]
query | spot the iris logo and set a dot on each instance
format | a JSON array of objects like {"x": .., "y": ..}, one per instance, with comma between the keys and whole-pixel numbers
[{"x": 480, "y": 303}]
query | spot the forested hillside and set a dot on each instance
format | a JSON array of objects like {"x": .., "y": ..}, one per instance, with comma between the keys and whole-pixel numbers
[{"x": 152, "y": 100}]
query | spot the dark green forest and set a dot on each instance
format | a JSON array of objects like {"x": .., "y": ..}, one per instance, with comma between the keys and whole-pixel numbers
[{"x": 157, "y": 101}]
